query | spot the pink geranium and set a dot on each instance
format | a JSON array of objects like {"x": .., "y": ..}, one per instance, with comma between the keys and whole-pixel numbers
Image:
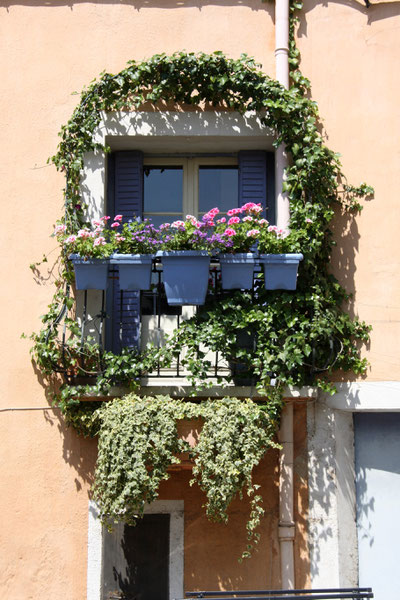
[
  {"x": 60, "y": 229},
  {"x": 234, "y": 211},
  {"x": 253, "y": 233},
  {"x": 230, "y": 232},
  {"x": 71, "y": 239},
  {"x": 233, "y": 220},
  {"x": 116, "y": 224},
  {"x": 118, "y": 217},
  {"x": 251, "y": 207}
]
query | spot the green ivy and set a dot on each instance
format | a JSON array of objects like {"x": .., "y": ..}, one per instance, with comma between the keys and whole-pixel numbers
[
  {"x": 138, "y": 441},
  {"x": 298, "y": 338},
  {"x": 295, "y": 332}
]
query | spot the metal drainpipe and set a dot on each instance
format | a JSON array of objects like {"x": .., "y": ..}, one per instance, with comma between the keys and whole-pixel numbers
[
  {"x": 282, "y": 75},
  {"x": 286, "y": 528}
]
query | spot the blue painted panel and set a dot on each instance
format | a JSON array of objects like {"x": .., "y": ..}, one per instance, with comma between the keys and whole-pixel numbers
[
  {"x": 256, "y": 180},
  {"x": 377, "y": 449},
  {"x": 127, "y": 193}
]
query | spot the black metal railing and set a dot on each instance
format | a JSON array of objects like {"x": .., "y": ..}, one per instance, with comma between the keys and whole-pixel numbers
[{"x": 95, "y": 323}]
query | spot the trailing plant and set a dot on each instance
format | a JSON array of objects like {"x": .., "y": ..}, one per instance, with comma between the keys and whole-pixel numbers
[
  {"x": 298, "y": 338},
  {"x": 138, "y": 442}
]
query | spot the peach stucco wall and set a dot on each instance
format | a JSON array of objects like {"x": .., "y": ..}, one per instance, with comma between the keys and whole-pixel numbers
[
  {"x": 48, "y": 50},
  {"x": 350, "y": 54}
]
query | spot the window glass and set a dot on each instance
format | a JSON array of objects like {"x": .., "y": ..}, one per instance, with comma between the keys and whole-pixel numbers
[
  {"x": 218, "y": 186},
  {"x": 163, "y": 190}
]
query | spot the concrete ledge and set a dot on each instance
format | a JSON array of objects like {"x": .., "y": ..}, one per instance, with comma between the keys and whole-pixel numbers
[
  {"x": 186, "y": 391},
  {"x": 371, "y": 396}
]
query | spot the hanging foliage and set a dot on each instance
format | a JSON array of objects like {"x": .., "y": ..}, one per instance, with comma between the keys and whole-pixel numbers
[
  {"x": 138, "y": 441},
  {"x": 298, "y": 338}
]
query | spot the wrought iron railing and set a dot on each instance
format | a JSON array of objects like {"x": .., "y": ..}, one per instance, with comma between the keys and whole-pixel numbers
[{"x": 94, "y": 324}]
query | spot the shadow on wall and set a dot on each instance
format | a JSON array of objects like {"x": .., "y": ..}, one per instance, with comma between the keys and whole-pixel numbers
[
  {"x": 78, "y": 452},
  {"x": 376, "y": 11},
  {"x": 321, "y": 482},
  {"x": 256, "y": 5}
]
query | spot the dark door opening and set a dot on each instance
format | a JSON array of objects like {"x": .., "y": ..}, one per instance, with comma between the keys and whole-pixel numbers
[{"x": 136, "y": 560}]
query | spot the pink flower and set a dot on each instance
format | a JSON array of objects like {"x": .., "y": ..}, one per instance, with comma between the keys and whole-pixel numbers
[
  {"x": 221, "y": 220},
  {"x": 83, "y": 233},
  {"x": 193, "y": 221},
  {"x": 251, "y": 207},
  {"x": 60, "y": 229},
  {"x": 118, "y": 218},
  {"x": 309, "y": 220},
  {"x": 100, "y": 241},
  {"x": 253, "y": 233},
  {"x": 282, "y": 233},
  {"x": 272, "y": 228},
  {"x": 210, "y": 215},
  {"x": 97, "y": 223},
  {"x": 120, "y": 238},
  {"x": 178, "y": 224},
  {"x": 116, "y": 224},
  {"x": 230, "y": 232},
  {"x": 262, "y": 222},
  {"x": 234, "y": 211},
  {"x": 165, "y": 225},
  {"x": 233, "y": 220},
  {"x": 248, "y": 218},
  {"x": 71, "y": 239}
]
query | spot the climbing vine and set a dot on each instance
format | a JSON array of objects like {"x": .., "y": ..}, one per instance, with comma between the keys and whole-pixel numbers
[
  {"x": 300, "y": 337},
  {"x": 293, "y": 338}
]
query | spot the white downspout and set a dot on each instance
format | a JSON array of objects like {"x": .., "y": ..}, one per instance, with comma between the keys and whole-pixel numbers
[
  {"x": 286, "y": 527},
  {"x": 286, "y": 514},
  {"x": 282, "y": 75}
]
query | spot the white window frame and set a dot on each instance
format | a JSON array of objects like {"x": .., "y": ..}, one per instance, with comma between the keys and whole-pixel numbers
[
  {"x": 167, "y": 132},
  {"x": 190, "y": 186}
]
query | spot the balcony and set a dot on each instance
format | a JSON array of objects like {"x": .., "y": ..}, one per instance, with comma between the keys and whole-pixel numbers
[{"x": 96, "y": 331}]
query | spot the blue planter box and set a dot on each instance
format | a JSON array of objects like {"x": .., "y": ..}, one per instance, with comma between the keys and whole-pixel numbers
[
  {"x": 134, "y": 270},
  {"x": 90, "y": 274},
  {"x": 237, "y": 271},
  {"x": 185, "y": 275},
  {"x": 280, "y": 270}
]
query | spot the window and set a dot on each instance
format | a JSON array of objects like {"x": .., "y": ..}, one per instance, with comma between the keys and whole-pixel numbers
[
  {"x": 175, "y": 187},
  {"x": 167, "y": 188}
]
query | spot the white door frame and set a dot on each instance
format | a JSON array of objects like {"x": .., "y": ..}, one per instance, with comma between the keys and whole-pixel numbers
[{"x": 175, "y": 508}]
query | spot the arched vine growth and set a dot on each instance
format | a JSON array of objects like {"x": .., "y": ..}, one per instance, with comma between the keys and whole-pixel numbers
[{"x": 301, "y": 336}]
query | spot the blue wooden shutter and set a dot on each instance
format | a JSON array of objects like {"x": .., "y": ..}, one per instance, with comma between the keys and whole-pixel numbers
[
  {"x": 127, "y": 184},
  {"x": 256, "y": 180}
]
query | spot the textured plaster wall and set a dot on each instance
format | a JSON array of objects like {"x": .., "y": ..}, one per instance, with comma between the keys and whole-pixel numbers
[
  {"x": 51, "y": 48},
  {"x": 48, "y": 50},
  {"x": 350, "y": 53}
]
